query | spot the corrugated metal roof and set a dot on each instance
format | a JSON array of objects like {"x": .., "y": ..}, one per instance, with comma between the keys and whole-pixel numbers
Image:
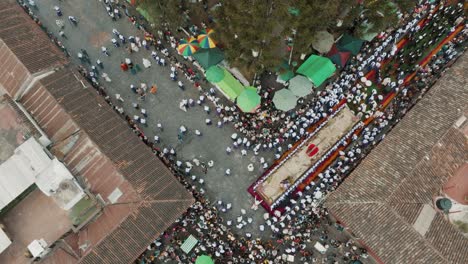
[
  {"x": 26, "y": 39},
  {"x": 159, "y": 207},
  {"x": 382, "y": 198}
]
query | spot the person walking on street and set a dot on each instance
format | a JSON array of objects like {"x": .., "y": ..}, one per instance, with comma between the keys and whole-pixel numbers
[
  {"x": 95, "y": 70},
  {"x": 73, "y": 20},
  {"x": 116, "y": 44},
  {"x": 99, "y": 63},
  {"x": 207, "y": 109},
  {"x": 106, "y": 77},
  {"x": 204, "y": 168},
  {"x": 173, "y": 76},
  {"x": 124, "y": 66},
  {"x": 181, "y": 85},
  {"x": 104, "y": 50},
  {"x": 133, "y": 88},
  {"x": 117, "y": 13},
  {"x": 58, "y": 11},
  {"x": 160, "y": 127},
  {"x": 85, "y": 53},
  {"x": 83, "y": 57},
  {"x": 32, "y": 4},
  {"x": 122, "y": 38},
  {"x": 153, "y": 89}
]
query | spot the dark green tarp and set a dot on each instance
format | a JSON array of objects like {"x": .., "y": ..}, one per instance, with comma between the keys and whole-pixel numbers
[
  {"x": 349, "y": 43},
  {"x": 209, "y": 57}
]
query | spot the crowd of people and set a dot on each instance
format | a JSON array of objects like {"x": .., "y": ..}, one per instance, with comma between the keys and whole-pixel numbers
[
  {"x": 303, "y": 221},
  {"x": 291, "y": 230},
  {"x": 269, "y": 126}
]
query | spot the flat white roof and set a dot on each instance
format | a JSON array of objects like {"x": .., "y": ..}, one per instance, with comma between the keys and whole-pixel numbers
[
  {"x": 4, "y": 241},
  {"x": 20, "y": 170}
]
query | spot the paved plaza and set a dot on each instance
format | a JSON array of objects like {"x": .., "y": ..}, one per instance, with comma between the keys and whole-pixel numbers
[
  {"x": 303, "y": 222},
  {"x": 95, "y": 30}
]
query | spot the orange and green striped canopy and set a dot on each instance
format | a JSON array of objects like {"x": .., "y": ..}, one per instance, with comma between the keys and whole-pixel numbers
[
  {"x": 206, "y": 42},
  {"x": 207, "y": 31},
  {"x": 188, "y": 47}
]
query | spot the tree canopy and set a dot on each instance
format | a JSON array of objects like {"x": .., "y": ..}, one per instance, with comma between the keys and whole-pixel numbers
[
  {"x": 255, "y": 34},
  {"x": 248, "y": 27},
  {"x": 170, "y": 13}
]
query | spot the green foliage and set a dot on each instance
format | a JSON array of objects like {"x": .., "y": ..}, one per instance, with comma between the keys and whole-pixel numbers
[
  {"x": 170, "y": 12},
  {"x": 246, "y": 25},
  {"x": 382, "y": 15},
  {"x": 264, "y": 25},
  {"x": 314, "y": 16},
  {"x": 405, "y": 5}
]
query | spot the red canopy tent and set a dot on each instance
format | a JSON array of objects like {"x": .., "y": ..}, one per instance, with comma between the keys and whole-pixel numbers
[{"x": 340, "y": 58}]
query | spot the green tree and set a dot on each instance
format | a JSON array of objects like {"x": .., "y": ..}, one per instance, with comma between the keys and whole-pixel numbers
[
  {"x": 313, "y": 16},
  {"x": 381, "y": 14},
  {"x": 244, "y": 26},
  {"x": 170, "y": 13},
  {"x": 405, "y": 6}
]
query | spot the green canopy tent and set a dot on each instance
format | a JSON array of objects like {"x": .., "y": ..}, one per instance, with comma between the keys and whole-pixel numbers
[
  {"x": 209, "y": 57},
  {"x": 284, "y": 100},
  {"x": 215, "y": 74},
  {"x": 300, "y": 86},
  {"x": 349, "y": 43},
  {"x": 204, "y": 259},
  {"x": 225, "y": 82},
  {"x": 323, "y": 41},
  {"x": 317, "y": 69},
  {"x": 249, "y": 100}
]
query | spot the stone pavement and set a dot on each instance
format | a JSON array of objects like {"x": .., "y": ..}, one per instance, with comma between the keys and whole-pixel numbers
[{"x": 95, "y": 30}]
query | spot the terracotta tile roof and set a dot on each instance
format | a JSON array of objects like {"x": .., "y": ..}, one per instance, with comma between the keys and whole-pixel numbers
[
  {"x": 26, "y": 40},
  {"x": 382, "y": 198},
  {"x": 163, "y": 198}
]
